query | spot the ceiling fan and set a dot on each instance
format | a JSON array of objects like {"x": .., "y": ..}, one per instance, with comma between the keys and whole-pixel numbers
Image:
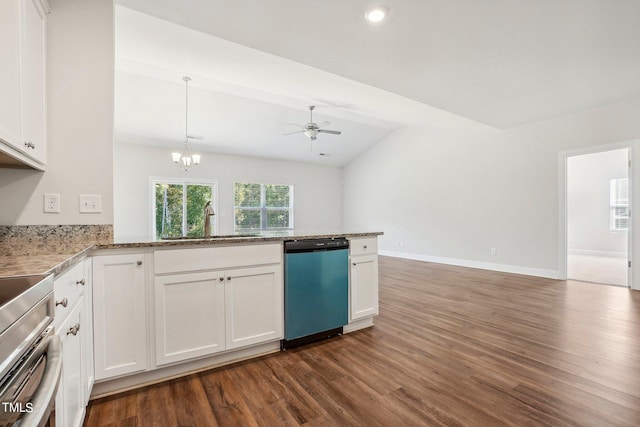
[{"x": 312, "y": 129}]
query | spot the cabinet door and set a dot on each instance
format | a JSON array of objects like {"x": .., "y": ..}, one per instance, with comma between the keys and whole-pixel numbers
[
  {"x": 10, "y": 72},
  {"x": 254, "y": 305},
  {"x": 363, "y": 286},
  {"x": 70, "y": 404},
  {"x": 189, "y": 318},
  {"x": 119, "y": 315},
  {"x": 32, "y": 54},
  {"x": 87, "y": 332}
]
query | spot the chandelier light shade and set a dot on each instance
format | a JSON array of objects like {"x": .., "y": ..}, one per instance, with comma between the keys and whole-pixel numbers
[{"x": 185, "y": 158}]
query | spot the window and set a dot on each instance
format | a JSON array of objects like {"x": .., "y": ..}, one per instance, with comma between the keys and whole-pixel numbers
[
  {"x": 619, "y": 204},
  {"x": 259, "y": 207},
  {"x": 179, "y": 208}
]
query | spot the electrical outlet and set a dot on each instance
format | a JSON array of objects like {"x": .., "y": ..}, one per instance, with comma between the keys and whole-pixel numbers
[
  {"x": 52, "y": 203},
  {"x": 90, "y": 203},
  {"x": 494, "y": 252}
]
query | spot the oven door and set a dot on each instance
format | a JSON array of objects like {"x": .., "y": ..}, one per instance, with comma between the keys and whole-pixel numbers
[{"x": 27, "y": 396}]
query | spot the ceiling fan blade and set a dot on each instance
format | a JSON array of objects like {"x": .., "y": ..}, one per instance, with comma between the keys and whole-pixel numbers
[
  {"x": 332, "y": 132},
  {"x": 291, "y": 133},
  {"x": 198, "y": 137},
  {"x": 295, "y": 124}
]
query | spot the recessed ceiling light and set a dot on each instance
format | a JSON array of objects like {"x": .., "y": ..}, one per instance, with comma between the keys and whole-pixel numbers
[{"x": 376, "y": 14}]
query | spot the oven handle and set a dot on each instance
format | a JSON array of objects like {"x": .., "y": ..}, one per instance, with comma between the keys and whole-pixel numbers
[{"x": 45, "y": 396}]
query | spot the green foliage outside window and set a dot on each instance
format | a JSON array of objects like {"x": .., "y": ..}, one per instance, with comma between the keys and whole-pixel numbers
[
  {"x": 263, "y": 207},
  {"x": 180, "y": 209}
]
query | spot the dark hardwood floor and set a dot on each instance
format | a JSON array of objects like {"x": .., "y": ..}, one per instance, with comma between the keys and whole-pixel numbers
[{"x": 452, "y": 346}]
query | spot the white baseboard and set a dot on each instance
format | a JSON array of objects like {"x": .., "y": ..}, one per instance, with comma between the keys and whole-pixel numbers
[
  {"x": 356, "y": 325},
  {"x": 597, "y": 253},
  {"x": 504, "y": 268}
]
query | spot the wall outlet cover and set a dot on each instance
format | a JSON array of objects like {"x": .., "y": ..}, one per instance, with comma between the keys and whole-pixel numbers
[{"x": 51, "y": 203}]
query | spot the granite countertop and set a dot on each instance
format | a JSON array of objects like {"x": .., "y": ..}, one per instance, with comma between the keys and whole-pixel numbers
[
  {"x": 225, "y": 240},
  {"x": 56, "y": 263},
  {"x": 23, "y": 265}
]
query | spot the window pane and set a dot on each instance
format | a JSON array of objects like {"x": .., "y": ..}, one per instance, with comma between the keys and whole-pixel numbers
[
  {"x": 169, "y": 210},
  {"x": 247, "y": 195},
  {"x": 247, "y": 219},
  {"x": 278, "y": 218},
  {"x": 622, "y": 223},
  {"x": 197, "y": 198},
  {"x": 277, "y": 196}
]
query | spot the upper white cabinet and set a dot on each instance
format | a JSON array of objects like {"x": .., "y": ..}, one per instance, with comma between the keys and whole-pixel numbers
[
  {"x": 10, "y": 129},
  {"x": 119, "y": 315},
  {"x": 22, "y": 81},
  {"x": 363, "y": 278}
]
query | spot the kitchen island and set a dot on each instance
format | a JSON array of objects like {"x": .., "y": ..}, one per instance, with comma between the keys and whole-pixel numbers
[{"x": 163, "y": 309}]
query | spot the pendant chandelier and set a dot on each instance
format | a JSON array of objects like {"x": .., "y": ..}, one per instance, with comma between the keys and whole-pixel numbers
[{"x": 185, "y": 158}]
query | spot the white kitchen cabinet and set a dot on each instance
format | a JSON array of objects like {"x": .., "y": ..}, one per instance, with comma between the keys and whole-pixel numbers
[
  {"x": 10, "y": 128},
  {"x": 254, "y": 305},
  {"x": 363, "y": 278},
  {"x": 70, "y": 403},
  {"x": 73, "y": 326},
  {"x": 189, "y": 320},
  {"x": 199, "y": 314},
  {"x": 22, "y": 80},
  {"x": 119, "y": 315},
  {"x": 87, "y": 331}
]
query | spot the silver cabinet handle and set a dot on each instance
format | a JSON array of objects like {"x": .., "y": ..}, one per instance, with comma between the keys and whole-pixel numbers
[
  {"x": 30, "y": 144},
  {"x": 63, "y": 303},
  {"x": 74, "y": 329},
  {"x": 80, "y": 282},
  {"x": 139, "y": 262}
]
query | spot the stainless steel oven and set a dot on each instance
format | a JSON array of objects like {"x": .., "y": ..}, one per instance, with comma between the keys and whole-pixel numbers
[{"x": 30, "y": 352}]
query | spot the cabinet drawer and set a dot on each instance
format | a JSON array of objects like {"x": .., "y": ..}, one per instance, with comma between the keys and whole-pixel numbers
[
  {"x": 67, "y": 290},
  {"x": 363, "y": 246},
  {"x": 196, "y": 259}
]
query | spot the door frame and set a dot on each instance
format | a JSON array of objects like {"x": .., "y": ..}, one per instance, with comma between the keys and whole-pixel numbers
[{"x": 633, "y": 235}]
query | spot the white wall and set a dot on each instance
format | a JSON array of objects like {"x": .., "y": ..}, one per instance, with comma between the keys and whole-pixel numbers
[
  {"x": 452, "y": 197},
  {"x": 80, "y": 62},
  {"x": 317, "y": 189},
  {"x": 588, "y": 200}
]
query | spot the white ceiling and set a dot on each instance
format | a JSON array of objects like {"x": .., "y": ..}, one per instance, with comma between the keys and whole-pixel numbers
[{"x": 492, "y": 63}]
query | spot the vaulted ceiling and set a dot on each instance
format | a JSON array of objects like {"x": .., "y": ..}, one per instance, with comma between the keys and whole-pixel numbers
[{"x": 489, "y": 63}]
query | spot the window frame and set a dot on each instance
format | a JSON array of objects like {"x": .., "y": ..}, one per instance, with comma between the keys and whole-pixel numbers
[
  {"x": 615, "y": 201},
  {"x": 264, "y": 209},
  {"x": 184, "y": 182}
]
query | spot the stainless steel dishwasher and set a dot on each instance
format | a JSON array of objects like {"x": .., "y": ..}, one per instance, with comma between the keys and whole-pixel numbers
[{"x": 316, "y": 288}]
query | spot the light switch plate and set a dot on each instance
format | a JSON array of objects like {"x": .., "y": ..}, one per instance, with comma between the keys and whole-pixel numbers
[{"x": 90, "y": 203}]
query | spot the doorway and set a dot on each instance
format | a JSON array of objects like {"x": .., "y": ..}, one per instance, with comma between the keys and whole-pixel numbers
[{"x": 597, "y": 217}]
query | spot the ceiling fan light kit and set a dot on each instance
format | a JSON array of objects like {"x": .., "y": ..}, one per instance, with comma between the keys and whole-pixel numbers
[
  {"x": 312, "y": 129},
  {"x": 185, "y": 159}
]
